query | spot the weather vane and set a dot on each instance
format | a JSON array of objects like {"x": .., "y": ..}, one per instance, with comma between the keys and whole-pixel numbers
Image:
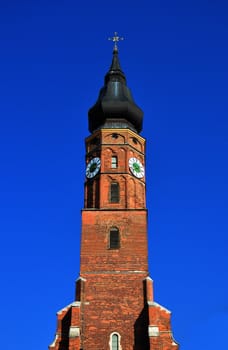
[{"x": 115, "y": 39}]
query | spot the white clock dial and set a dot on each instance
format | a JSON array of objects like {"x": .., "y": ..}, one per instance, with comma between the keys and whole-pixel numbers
[
  {"x": 93, "y": 167},
  {"x": 136, "y": 167}
]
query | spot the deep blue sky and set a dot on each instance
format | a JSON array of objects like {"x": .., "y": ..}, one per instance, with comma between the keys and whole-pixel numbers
[{"x": 53, "y": 58}]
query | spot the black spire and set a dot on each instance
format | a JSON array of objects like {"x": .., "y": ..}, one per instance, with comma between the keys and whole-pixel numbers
[{"x": 115, "y": 107}]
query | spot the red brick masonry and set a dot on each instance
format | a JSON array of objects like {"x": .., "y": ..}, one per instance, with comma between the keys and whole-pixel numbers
[{"x": 114, "y": 293}]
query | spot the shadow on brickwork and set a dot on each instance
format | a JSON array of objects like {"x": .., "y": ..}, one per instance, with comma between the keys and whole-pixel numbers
[
  {"x": 141, "y": 331},
  {"x": 66, "y": 321},
  {"x": 141, "y": 326}
]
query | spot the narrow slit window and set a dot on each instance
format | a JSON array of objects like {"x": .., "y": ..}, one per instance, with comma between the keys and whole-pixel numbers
[
  {"x": 114, "y": 238},
  {"x": 114, "y": 164},
  {"x": 115, "y": 193},
  {"x": 90, "y": 195}
]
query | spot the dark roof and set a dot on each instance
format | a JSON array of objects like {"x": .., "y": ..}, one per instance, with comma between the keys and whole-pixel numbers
[{"x": 115, "y": 106}]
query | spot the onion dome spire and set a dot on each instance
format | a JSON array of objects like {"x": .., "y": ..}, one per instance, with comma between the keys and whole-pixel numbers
[{"x": 115, "y": 107}]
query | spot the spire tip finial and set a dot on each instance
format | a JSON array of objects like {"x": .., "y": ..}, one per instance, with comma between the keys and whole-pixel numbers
[{"x": 115, "y": 39}]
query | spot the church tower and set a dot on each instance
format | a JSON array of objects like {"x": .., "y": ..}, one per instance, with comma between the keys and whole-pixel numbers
[{"x": 114, "y": 308}]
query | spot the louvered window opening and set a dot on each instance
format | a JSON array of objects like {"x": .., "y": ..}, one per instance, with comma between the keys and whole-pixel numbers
[
  {"x": 115, "y": 195},
  {"x": 114, "y": 162},
  {"x": 114, "y": 239}
]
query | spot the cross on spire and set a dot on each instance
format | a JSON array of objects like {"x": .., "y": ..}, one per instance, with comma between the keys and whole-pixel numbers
[{"x": 115, "y": 39}]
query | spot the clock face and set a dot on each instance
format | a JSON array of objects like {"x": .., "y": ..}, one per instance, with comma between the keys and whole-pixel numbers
[
  {"x": 136, "y": 167},
  {"x": 93, "y": 167}
]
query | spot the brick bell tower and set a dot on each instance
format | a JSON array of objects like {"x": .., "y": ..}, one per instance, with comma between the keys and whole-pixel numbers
[{"x": 114, "y": 308}]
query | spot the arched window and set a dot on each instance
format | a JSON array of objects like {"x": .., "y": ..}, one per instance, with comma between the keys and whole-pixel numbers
[
  {"x": 114, "y": 238},
  {"x": 114, "y": 162},
  {"x": 114, "y": 192},
  {"x": 115, "y": 342}
]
